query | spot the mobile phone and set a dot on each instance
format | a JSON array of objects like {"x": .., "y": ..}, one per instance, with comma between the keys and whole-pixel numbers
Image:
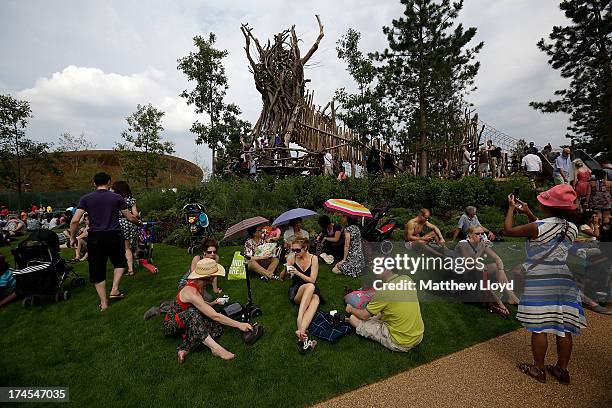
[{"x": 515, "y": 192}]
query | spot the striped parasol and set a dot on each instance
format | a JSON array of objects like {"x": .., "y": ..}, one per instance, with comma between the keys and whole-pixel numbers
[
  {"x": 348, "y": 207},
  {"x": 237, "y": 230}
]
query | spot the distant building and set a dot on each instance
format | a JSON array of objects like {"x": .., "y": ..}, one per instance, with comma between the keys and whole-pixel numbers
[{"x": 77, "y": 169}]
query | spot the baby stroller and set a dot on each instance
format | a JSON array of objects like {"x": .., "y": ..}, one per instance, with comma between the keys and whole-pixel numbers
[
  {"x": 372, "y": 232},
  {"x": 144, "y": 247},
  {"x": 197, "y": 224},
  {"x": 40, "y": 269}
]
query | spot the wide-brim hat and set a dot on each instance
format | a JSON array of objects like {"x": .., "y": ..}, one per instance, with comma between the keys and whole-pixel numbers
[
  {"x": 561, "y": 196},
  {"x": 206, "y": 268}
]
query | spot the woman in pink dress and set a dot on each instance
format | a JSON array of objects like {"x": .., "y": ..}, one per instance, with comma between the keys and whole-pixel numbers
[{"x": 581, "y": 183}]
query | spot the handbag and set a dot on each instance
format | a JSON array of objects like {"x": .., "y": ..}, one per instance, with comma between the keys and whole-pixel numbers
[{"x": 237, "y": 271}]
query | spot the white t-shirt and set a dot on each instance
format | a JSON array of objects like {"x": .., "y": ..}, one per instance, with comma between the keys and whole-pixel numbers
[
  {"x": 290, "y": 235},
  {"x": 328, "y": 160},
  {"x": 531, "y": 162}
]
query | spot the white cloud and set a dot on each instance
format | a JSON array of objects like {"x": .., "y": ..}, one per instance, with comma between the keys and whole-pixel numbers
[
  {"x": 88, "y": 100},
  {"x": 132, "y": 48}
]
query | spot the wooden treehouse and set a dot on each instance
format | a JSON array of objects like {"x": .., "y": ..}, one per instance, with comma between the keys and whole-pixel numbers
[{"x": 291, "y": 134}]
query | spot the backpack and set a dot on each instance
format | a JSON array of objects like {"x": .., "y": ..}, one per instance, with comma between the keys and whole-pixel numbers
[
  {"x": 359, "y": 299},
  {"x": 323, "y": 327}
]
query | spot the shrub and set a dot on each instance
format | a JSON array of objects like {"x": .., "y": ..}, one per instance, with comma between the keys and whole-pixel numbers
[{"x": 229, "y": 201}]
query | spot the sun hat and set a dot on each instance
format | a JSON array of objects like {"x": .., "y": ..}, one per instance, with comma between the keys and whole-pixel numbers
[
  {"x": 206, "y": 268},
  {"x": 561, "y": 196}
]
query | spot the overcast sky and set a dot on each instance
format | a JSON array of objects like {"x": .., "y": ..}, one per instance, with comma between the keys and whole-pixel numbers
[{"x": 85, "y": 65}]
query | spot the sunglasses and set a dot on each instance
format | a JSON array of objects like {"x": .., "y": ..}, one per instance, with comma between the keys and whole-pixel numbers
[
  {"x": 297, "y": 250},
  {"x": 211, "y": 252}
]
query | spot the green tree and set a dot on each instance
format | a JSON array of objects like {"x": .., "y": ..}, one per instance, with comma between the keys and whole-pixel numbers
[
  {"x": 365, "y": 111},
  {"x": 205, "y": 68},
  {"x": 20, "y": 158},
  {"x": 428, "y": 70},
  {"x": 143, "y": 147},
  {"x": 581, "y": 52},
  {"x": 70, "y": 143}
]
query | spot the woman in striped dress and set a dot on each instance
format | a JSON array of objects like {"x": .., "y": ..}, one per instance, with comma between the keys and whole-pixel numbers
[{"x": 551, "y": 301}]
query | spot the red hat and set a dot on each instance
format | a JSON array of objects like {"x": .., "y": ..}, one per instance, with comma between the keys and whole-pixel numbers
[{"x": 561, "y": 196}]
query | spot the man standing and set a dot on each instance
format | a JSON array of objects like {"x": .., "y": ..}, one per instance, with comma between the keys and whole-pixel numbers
[
  {"x": 562, "y": 173},
  {"x": 483, "y": 162},
  {"x": 466, "y": 160},
  {"x": 492, "y": 158},
  {"x": 105, "y": 240},
  {"x": 328, "y": 164},
  {"x": 532, "y": 165}
]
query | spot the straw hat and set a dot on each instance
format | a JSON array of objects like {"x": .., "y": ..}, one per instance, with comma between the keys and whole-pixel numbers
[
  {"x": 561, "y": 196},
  {"x": 207, "y": 268}
]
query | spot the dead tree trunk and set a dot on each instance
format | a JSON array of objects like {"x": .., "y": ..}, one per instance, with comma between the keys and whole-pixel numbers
[{"x": 279, "y": 78}]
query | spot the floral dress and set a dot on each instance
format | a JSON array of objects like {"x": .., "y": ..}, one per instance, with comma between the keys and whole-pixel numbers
[
  {"x": 129, "y": 230},
  {"x": 600, "y": 196},
  {"x": 190, "y": 323},
  {"x": 355, "y": 261}
]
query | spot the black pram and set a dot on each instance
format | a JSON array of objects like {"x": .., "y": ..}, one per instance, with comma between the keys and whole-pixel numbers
[{"x": 41, "y": 271}]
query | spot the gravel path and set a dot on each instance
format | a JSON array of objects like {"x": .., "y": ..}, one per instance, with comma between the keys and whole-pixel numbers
[{"x": 485, "y": 375}]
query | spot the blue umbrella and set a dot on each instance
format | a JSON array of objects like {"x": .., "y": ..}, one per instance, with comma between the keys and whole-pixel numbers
[{"x": 287, "y": 216}]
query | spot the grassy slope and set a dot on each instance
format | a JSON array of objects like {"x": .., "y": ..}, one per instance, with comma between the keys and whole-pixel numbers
[{"x": 116, "y": 358}]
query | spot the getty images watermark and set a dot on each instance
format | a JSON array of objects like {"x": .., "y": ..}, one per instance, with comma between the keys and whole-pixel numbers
[{"x": 407, "y": 264}]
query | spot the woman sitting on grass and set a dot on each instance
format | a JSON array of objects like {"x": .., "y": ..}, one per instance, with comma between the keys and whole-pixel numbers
[
  {"x": 330, "y": 240},
  {"x": 551, "y": 301},
  {"x": 210, "y": 249},
  {"x": 353, "y": 261},
  {"x": 303, "y": 269},
  {"x": 263, "y": 265},
  {"x": 195, "y": 319}
]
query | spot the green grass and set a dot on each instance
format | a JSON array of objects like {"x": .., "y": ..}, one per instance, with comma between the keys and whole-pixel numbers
[{"x": 118, "y": 359}]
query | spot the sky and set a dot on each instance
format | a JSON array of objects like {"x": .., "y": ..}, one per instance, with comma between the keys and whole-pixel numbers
[{"x": 85, "y": 65}]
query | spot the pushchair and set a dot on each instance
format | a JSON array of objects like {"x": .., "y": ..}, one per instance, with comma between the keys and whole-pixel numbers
[
  {"x": 143, "y": 253},
  {"x": 40, "y": 269},
  {"x": 197, "y": 224},
  {"x": 372, "y": 232}
]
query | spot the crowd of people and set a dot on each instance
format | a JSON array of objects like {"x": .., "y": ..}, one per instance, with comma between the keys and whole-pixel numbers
[{"x": 551, "y": 301}]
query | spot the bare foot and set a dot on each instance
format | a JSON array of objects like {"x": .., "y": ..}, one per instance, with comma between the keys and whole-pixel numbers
[
  {"x": 103, "y": 307},
  {"x": 181, "y": 356},
  {"x": 513, "y": 299},
  {"x": 222, "y": 353}
]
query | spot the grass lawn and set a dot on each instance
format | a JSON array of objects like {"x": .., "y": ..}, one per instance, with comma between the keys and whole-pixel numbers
[{"x": 118, "y": 359}]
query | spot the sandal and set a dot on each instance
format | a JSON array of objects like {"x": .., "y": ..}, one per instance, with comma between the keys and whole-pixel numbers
[
  {"x": 117, "y": 296},
  {"x": 306, "y": 345},
  {"x": 598, "y": 309},
  {"x": 495, "y": 308},
  {"x": 560, "y": 374},
  {"x": 131, "y": 273},
  {"x": 529, "y": 369}
]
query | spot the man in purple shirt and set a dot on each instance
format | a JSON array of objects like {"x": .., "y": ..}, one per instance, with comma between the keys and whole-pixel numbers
[{"x": 105, "y": 240}]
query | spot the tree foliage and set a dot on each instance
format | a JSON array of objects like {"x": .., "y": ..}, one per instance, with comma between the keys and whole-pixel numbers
[
  {"x": 70, "y": 143},
  {"x": 364, "y": 111},
  {"x": 20, "y": 158},
  {"x": 428, "y": 70},
  {"x": 581, "y": 52},
  {"x": 205, "y": 68},
  {"x": 143, "y": 147}
]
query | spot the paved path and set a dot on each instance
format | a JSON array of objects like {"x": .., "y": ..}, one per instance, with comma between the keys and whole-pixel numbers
[{"x": 485, "y": 375}]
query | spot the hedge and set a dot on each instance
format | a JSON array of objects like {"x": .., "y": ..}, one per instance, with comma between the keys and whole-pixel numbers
[{"x": 228, "y": 201}]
